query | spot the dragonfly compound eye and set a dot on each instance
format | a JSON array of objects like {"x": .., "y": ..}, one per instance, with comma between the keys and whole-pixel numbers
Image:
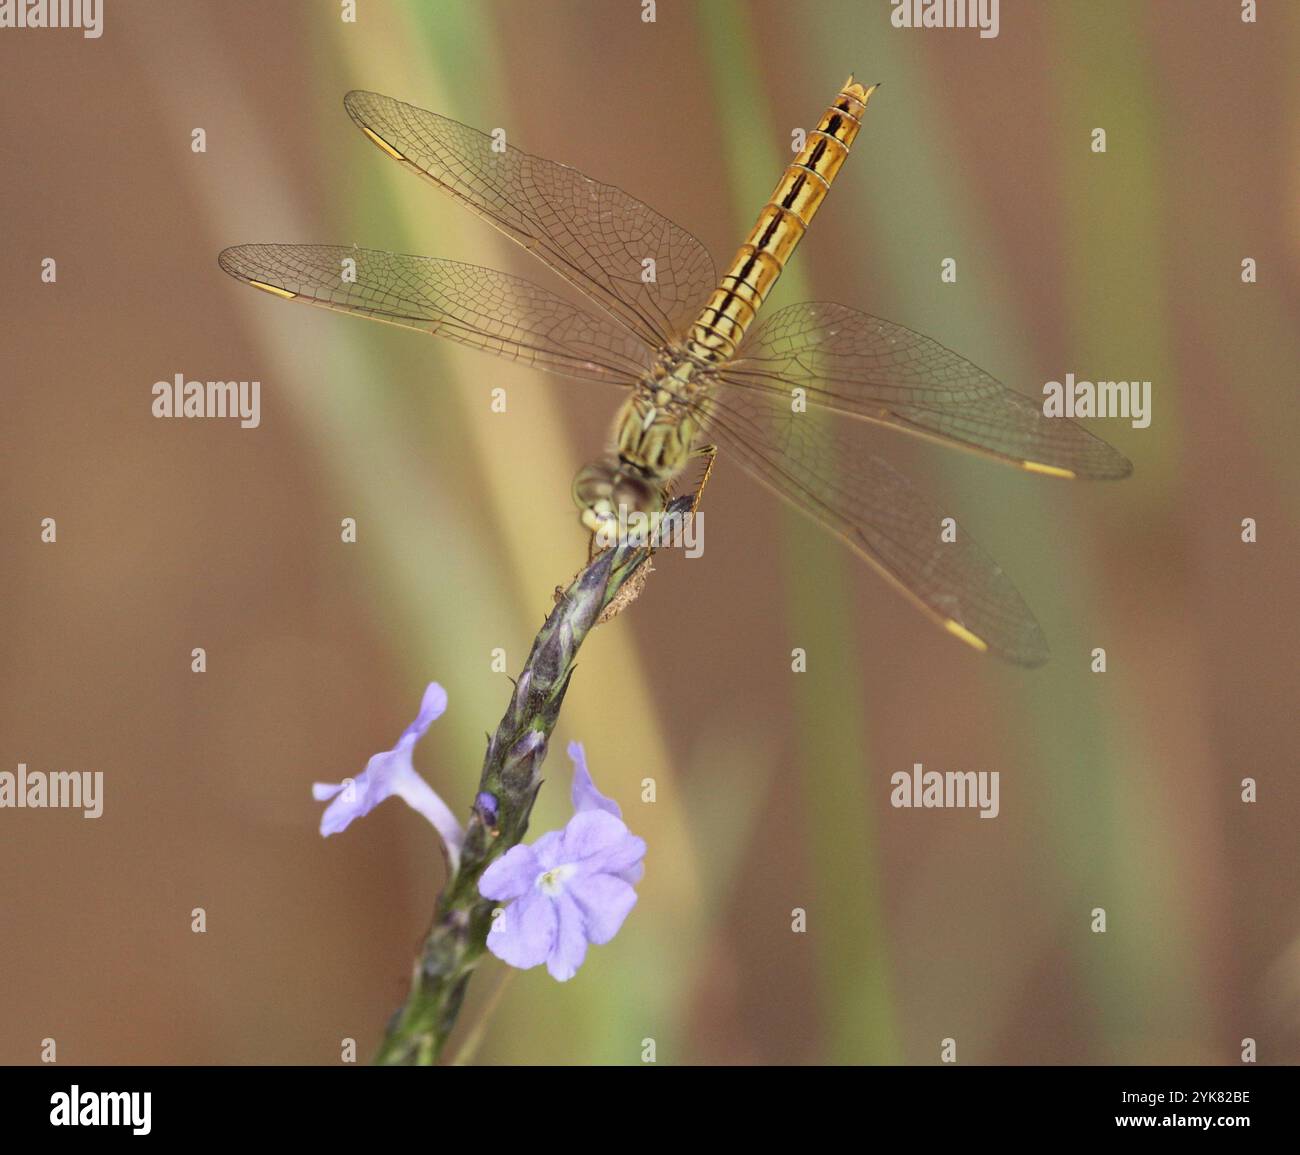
[
  {"x": 593, "y": 490},
  {"x": 604, "y": 489},
  {"x": 635, "y": 495}
]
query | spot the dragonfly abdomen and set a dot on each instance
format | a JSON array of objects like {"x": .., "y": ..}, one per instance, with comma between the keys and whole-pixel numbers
[{"x": 730, "y": 310}]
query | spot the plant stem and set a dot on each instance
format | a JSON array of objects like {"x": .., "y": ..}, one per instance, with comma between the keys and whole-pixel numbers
[{"x": 508, "y": 786}]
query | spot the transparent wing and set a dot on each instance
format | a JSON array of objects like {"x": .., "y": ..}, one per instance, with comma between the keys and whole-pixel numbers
[
  {"x": 594, "y": 235},
  {"x": 859, "y": 365},
  {"x": 483, "y": 308},
  {"x": 823, "y": 468}
]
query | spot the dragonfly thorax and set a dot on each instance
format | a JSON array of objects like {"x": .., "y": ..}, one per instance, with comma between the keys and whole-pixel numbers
[{"x": 652, "y": 440}]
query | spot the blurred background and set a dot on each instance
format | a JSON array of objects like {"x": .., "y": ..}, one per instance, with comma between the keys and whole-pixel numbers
[{"x": 1118, "y": 790}]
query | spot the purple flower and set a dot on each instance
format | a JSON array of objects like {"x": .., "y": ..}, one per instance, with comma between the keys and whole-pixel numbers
[
  {"x": 391, "y": 773},
  {"x": 569, "y": 888}
]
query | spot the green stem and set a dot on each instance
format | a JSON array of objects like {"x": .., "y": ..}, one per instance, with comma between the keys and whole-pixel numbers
[{"x": 508, "y": 786}]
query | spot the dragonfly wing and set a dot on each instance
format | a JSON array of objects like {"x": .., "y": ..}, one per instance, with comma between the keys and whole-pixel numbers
[
  {"x": 594, "y": 235},
  {"x": 823, "y": 468},
  {"x": 859, "y": 365},
  {"x": 483, "y": 308}
]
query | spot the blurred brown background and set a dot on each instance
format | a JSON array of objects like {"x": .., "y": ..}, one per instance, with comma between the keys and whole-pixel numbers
[{"x": 1119, "y": 790}]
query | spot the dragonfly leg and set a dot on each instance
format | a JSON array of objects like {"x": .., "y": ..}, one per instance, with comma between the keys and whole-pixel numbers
[{"x": 711, "y": 453}]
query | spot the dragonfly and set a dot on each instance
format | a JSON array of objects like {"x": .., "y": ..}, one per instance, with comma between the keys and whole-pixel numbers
[{"x": 785, "y": 399}]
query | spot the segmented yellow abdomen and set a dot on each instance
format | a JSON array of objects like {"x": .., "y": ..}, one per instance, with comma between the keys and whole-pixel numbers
[{"x": 744, "y": 287}]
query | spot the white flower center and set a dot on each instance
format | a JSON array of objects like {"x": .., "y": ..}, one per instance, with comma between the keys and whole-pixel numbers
[{"x": 552, "y": 882}]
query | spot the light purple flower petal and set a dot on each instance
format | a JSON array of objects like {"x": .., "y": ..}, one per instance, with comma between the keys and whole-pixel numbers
[
  {"x": 524, "y": 933},
  {"x": 598, "y": 843},
  {"x": 432, "y": 707},
  {"x": 391, "y": 773},
  {"x": 550, "y": 849},
  {"x": 512, "y": 875},
  {"x": 584, "y": 794},
  {"x": 605, "y": 901},
  {"x": 589, "y": 833},
  {"x": 357, "y": 797},
  {"x": 570, "y": 941},
  {"x": 572, "y": 887}
]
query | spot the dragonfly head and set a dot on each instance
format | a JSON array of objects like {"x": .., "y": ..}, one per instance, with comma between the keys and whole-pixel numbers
[{"x": 604, "y": 488}]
